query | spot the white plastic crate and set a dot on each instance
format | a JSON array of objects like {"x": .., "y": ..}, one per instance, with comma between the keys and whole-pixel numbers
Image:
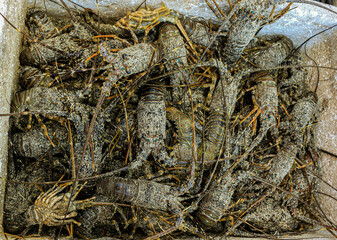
[{"x": 299, "y": 24}]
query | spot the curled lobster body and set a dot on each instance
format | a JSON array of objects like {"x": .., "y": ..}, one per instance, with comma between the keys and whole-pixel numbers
[
  {"x": 40, "y": 25},
  {"x": 277, "y": 49},
  {"x": 215, "y": 204},
  {"x": 184, "y": 149},
  {"x": 197, "y": 30},
  {"x": 215, "y": 131},
  {"x": 141, "y": 193},
  {"x": 33, "y": 77}
]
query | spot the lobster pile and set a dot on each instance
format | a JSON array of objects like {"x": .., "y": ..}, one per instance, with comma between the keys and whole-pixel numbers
[{"x": 176, "y": 125}]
